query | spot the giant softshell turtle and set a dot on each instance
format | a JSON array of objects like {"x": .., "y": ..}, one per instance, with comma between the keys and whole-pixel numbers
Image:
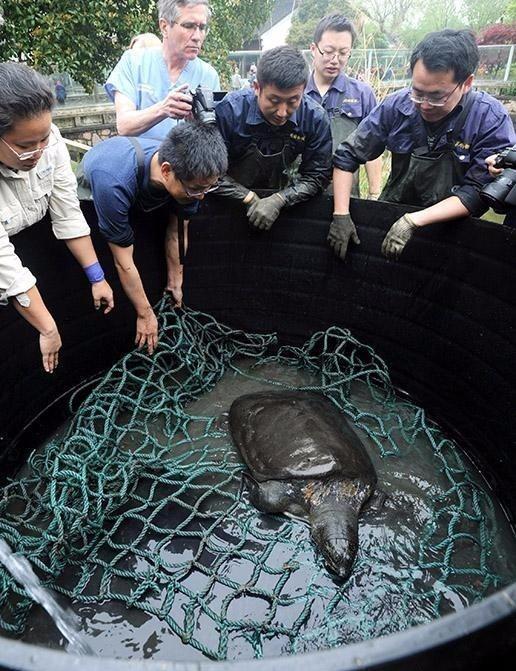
[{"x": 305, "y": 459}]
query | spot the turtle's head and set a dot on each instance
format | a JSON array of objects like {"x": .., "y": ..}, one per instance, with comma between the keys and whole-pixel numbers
[{"x": 335, "y": 532}]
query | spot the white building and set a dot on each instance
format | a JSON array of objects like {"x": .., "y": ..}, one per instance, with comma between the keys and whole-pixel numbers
[{"x": 274, "y": 32}]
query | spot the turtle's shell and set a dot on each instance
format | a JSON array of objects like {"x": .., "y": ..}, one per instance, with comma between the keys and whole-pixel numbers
[{"x": 288, "y": 434}]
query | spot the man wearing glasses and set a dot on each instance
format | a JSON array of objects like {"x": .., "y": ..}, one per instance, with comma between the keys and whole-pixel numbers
[
  {"x": 124, "y": 173},
  {"x": 346, "y": 100},
  {"x": 150, "y": 87},
  {"x": 439, "y": 132}
]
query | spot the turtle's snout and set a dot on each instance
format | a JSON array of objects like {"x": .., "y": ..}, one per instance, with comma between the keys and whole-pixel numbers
[
  {"x": 339, "y": 556},
  {"x": 337, "y": 538}
]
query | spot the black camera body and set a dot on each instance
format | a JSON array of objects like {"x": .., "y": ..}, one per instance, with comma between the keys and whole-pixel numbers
[
  {"x": 500, "y": 194},
  {"x": 203, "y": 105},
  {"x": 506, "y": 158}
]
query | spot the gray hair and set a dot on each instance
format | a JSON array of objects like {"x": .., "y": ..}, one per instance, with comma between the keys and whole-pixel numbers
[
  {"x": 25, "y": 94},
  {"x": 169, "y": 9}
]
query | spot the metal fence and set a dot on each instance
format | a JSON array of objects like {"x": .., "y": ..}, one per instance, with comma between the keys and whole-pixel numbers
[{"x": 390, "y": 67}]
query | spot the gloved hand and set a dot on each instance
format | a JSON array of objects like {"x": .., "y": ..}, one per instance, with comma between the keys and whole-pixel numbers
[
  {"x": 397, "y": 237},
  {"x": 263, "y": 213},
  {"x": 342, "y": 229}
]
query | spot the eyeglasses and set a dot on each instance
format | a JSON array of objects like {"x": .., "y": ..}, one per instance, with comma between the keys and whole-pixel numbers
[
  {"x": 433, "y": 102},
  {"x": 329, "y": 54},
  {"x": 201, "y": 192},
  {"x": 27, "y": 155},
  {"x": 191, "y": 26}
]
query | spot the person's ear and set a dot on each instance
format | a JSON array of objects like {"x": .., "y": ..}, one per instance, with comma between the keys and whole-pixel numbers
[
  {"x": 256, "y": 87},
  {"x": 163, "y": 24},
  {"x": 166, "y": 171},
  {"x": 313, "y": 49},
  {"x": 466, "y": 86}
]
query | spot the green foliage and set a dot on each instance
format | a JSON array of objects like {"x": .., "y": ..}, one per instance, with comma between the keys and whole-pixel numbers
[
  {"x": 389, "y": 16},
  {"x": 82, "y": 37},
  {"x": 474, "y": 14},
  {"x": 510, "y": 11},
  {"x": 308, "y": 15},
  {"x": 436, "y": 16},
  {"x": 87, "y": 37},
  {"x": 480, "y": 13},
  {"x": 234, "y": 22}
]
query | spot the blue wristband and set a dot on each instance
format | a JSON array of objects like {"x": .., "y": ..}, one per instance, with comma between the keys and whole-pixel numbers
[{"x": 94, "y": 272}]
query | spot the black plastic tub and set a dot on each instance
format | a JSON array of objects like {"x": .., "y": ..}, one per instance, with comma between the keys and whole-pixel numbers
[{"x": 443, "y": 318}]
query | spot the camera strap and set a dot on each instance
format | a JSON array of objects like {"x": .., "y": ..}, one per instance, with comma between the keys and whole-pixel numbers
[
  {"x": 452, "y": 133},
  {"x": 461, "y": 118}
]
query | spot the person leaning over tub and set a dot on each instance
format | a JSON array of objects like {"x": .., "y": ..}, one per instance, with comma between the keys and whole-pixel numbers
[
  {"x": 36, "y": 177},
  {"x": 439, "y": 132},
  {"x": 127, "y": 174}
]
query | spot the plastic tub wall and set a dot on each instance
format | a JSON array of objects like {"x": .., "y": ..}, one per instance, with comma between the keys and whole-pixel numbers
[{"x": 443, "y": 318}]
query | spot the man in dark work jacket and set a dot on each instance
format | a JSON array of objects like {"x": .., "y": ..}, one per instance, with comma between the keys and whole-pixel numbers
[
  {"x": 265, "y": 129},
  {"x": 439, "y": 132}
]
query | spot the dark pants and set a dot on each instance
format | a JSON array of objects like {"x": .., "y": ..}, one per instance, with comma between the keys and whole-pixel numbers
[{"x": 510, "y": 217}]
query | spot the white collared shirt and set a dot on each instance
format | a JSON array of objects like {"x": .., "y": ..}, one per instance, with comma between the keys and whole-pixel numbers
[{"x": 25, "y": 198}]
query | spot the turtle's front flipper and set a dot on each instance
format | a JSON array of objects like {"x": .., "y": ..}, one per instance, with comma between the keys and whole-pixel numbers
[
  {"x": 335, "y": 532},
  {"x": 271, "y": 496},
  {"x": 376, "y": 501}
]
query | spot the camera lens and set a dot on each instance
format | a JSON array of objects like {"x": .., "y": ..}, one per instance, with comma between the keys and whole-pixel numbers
[
  {"x": 497, "y": 191},
  {"x": 203, "y": 105}
]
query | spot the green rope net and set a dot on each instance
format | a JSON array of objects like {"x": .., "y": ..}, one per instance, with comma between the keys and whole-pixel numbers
[{"x": 141, "y": 503}]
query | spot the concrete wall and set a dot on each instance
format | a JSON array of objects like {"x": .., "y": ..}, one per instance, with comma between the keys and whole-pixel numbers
[{"x": 88, "y": 124}]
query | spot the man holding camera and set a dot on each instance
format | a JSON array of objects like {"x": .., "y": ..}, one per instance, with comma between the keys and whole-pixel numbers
[
  {"x": 265, "y": 129},
  {"x": 439, "y": 132},
  {"x": 150, "y": 87},
  {"x": 125, "y": 172}
]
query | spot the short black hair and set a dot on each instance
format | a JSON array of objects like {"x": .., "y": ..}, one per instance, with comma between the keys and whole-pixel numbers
[
  {"x": 194, "y": 151},
  {"x": 285, "y": 67},
  {"x": 336, "y": 22},
  {"x": 25, "y": 94},
  {"x": 448, "y": 50}
]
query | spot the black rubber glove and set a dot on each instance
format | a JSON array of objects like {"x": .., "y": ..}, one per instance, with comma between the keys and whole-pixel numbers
[
  {"x": 399, "y": 234},
  {"x": 342, "y": 229},
  {"x": 263, "y": 213}
]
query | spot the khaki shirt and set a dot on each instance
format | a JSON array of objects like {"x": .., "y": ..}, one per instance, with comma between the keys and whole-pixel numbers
[{"x": 25, "y": 198}]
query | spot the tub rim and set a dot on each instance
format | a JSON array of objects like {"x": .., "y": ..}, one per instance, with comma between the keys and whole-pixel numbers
[{"x": 402, "y": 646}]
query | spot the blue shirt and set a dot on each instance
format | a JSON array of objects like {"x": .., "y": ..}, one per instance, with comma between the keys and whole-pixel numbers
[
  {"x": 142, "y": 76},
  {"x": 359, "y": 98},
  {"x": 241, "y": 124},
  {"x": 111, "y": 168},
  {"x": 397, "y": 125}
]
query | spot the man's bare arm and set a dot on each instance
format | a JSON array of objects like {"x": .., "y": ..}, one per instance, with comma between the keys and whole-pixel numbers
[{"x": 131, "y": 121}]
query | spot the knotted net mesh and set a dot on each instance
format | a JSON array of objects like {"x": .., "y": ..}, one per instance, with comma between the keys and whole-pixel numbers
[{"x": 141, "y": 503}]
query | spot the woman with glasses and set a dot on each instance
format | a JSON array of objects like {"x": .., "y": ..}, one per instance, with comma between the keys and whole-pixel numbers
[
  {"x": 35, "y": 178},
  {"x": 439, "y": 132},
  {"x": 125, "y": 173},
  {"x": 150, "y": 87}
]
